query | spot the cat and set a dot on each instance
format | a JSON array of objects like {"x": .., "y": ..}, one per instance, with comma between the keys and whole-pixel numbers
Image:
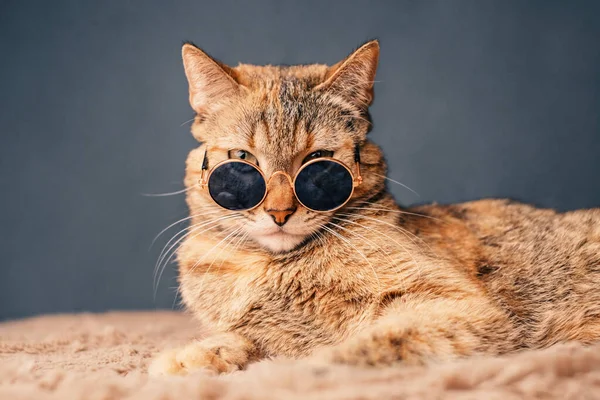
[{"x": 371, "y": 283}]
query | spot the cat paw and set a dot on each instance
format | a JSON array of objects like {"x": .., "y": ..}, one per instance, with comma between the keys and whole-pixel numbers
[
  {"x": 194, "y": 357},
  {"x": 374, "y": 350}
]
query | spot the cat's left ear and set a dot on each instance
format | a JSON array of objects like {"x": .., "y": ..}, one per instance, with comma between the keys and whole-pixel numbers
[
  {"x": 211, "y": 82},
  {"x": 353, "y": 77}
]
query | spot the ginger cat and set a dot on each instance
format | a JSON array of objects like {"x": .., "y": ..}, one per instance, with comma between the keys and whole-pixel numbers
[{"x": 370, "y": 283}]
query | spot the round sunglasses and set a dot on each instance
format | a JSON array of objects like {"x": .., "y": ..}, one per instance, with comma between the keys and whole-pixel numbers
[{"x": 323, "y": 184}]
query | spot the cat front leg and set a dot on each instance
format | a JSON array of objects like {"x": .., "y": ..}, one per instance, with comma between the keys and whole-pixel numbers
[
  {"x": 417, "y": 330},
  {"x": 221, "y": 353}
]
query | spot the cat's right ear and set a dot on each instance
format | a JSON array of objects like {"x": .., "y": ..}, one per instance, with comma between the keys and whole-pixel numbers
[
  {"x": 353, "y": 77},
  {"x": 211, "y": 82}
]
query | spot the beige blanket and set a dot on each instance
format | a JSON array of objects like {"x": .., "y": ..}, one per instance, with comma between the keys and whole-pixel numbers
[{"x": 105, "y": 356}]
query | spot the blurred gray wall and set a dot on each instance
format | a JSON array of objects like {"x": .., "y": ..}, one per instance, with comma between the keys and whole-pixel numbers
[{"x": 474, "y": 99}]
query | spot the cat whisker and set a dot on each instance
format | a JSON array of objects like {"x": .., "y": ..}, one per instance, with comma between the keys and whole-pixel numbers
[
  {"x": 243, "y": 237},
  {"x": 182, "y": 220},
  {"x": 174, "y": 237},
  {"x": 169, "y": 193},
  {"x": 402, "y": 231},
  {"x": 366, "y": 312},
  {"x": 163, "y": 260},
  {"x": 228, "y": 239},
  {"x": 317, "y": 236},
  {"x": 341, "y": 237},
  {"x": 202, "y": 223},
  {"x": 192, "y": 229},
  {"x": 188, "y": 121},
  {"x": 409, "y": 235},
  {"x": 396, "y": 182},
  {"x": 382, "y": 208},
  {"x": 174, "y": 252},
  {"x": 368, "y": 241},
  {"x": 393, "y": 264},
  {"x": 241, "y": 240}
]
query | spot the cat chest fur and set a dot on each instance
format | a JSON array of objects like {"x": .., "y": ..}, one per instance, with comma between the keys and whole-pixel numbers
[{"x": 289, "y": 308}]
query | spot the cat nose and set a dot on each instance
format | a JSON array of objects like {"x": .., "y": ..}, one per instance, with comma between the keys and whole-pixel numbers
[
  {"x": 280, "y": 202},
  {"x": 280, "y": 217}
]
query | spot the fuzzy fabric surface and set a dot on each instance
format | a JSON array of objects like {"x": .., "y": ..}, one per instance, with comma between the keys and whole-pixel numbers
[{"x": 105, "y": 356}]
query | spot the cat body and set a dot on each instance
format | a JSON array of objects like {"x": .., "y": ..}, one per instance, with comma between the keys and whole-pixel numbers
[{"x": 371, "y": 283}]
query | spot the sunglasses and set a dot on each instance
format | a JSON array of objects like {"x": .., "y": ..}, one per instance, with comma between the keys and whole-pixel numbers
[{"x": 321, "y": 185}]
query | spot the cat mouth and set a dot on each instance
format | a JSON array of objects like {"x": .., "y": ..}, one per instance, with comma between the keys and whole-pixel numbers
[
  {"x": 274, "y": 230},
  {"x": 280, "y": 232},
  {"x": 278, "y": 240}
]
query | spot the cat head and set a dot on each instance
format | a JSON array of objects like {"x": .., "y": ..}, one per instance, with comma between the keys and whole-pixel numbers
[{"x": 278, "y": 118}]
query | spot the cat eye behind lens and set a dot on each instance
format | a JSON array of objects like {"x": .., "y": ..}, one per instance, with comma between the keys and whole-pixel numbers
[
  {"x": 237, "y": 185},
  {"x": 321, "y": 184},
  {"x": 242, "y": 155},
  {"x": 318, "y": 154}
]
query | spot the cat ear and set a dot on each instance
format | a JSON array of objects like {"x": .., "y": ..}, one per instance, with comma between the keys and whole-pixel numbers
[
  {"x": 211, "y": 82},
  {"x": 354, "y": 76}
]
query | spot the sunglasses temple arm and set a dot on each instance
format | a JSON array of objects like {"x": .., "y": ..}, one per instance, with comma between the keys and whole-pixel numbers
[
  {"x": 358, "y": 179},
  {"x": 203, "y": 180}
]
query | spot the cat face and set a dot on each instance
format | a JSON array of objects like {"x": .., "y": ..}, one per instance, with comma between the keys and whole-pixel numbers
[{"x": 279, "y": 118}]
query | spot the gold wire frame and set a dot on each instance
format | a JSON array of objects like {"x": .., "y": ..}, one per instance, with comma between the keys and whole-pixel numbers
[{"x": 356, "y": 180}]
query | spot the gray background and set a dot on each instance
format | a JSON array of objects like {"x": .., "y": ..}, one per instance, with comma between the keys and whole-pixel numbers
[{"x": 474, "y": 99}]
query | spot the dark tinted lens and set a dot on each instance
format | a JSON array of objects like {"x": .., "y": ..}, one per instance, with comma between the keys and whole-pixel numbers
[
  {"x": 236, "y": 186},
  {"x": 323, "y": 185}
]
